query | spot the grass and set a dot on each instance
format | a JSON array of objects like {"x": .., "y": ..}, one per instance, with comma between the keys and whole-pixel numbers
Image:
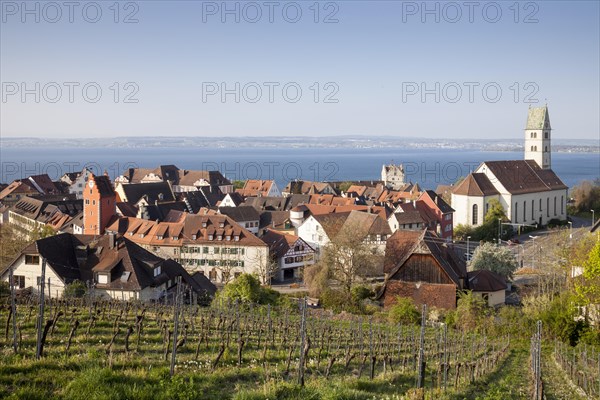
[{"x": 89, "y": 372}]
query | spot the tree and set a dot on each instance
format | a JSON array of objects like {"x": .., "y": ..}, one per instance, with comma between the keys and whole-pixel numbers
[
  {"x": 494, "y": 258},
  {"x": 404, "y": 311},
  {"x": 12, "y": 244},
  {"x": 349, "y": 257},
  {"x": 470, "y": 311},
  {"x": 344, "y": 186},
  {"x": 246, "y": 289},
  {"x": 586, "y": 196},
  {"x": 488, "y": 230},
  {"x": 588, "y": 288},
  {"x": 75, "y": 290},
  {"x": 237, "y": 184},
  {"x": 41, "y": 232}
]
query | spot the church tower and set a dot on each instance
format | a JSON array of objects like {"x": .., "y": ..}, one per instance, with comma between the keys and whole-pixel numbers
[
  {"x": 99, "y": 205},
  {"x": 537, "y": 137}
]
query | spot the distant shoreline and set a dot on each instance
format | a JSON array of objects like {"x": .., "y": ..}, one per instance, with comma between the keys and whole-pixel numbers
[{"x": 307, "y": 142}]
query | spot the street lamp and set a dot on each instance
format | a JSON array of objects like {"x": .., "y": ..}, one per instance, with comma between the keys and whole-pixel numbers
[
  {"x": 468, "y": 252},
  {"x": 533, "y": 250}
]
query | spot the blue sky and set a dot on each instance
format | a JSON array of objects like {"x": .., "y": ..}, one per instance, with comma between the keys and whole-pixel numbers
[{"x": 373, "y": 63}]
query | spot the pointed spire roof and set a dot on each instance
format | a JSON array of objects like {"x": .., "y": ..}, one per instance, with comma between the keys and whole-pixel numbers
[{"x": 538, "y": 118}]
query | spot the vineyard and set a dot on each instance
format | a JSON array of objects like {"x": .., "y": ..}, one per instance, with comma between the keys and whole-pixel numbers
[{"x": 112, "y": 349}]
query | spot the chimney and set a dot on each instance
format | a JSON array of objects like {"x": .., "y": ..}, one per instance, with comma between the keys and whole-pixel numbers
[{"x": 111, "y": 240}]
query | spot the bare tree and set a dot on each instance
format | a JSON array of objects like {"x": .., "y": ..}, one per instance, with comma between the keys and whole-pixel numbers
[{"x": 350, "y": 257}]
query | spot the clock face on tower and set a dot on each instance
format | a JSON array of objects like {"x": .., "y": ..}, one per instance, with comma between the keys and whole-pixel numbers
[{"x": 91, "y": 183}]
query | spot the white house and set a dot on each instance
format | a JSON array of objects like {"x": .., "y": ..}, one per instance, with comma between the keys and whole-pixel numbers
[
  {"x": 319, "y": 230},
  {"x": 530, "y": 192},
  {"x": 290, "y": 252}
]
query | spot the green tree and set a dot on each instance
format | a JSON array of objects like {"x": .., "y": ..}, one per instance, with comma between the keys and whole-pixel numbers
[
  {"x": 470, "y": 311},
  {"x": 75, "y": 290},
  {"x": 238, "y": 184},
  {"x": 344, "y": 186},
  {"x": 494, "y": 258},
  {"x": 11, "y": 244},
  {"x": 588, "y": 287},
  {"x": 41, "y": 232},
  {"x": 404, "y": 311},
  {"x": 246, "y": 288}
]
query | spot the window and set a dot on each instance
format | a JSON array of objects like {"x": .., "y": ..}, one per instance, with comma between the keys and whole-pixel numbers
[
  {"x": 524, "y": 211},
  {"x": 548, "y": 207},
  {"x": 546, "y": 149},
  {"x": 210, "y": 237},
  {"x": 236, "y": 238},
  {"x": 205, "y": 250},
  {"x": 487, "y": 208},
  {"x": 103, "y": 278},
  {"x": 554, "y": 205},
  {"x": 562, "y": 204},
  {"x": 516, "y": 212},
  {"x": 545, "y": 135},
  {"x": 540, "y": 205},
  {"x": 93, "y": 202},
  {"x": 289, "y": 260},
  {"x": 533, "y": 210},
  {"x": 19, "y": 281},
  {"x": 157, "y": 271},
  {"x": 474, "y": 216},
  {"x": 32, "y": 260},
  {"x": 216, "y": 250}
]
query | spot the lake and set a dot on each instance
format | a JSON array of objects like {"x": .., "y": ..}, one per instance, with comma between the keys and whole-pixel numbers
[{"x": 427, "y": 166}]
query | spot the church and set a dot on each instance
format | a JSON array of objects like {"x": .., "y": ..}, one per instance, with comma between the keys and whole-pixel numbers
[{"x": 530, "y": 192}]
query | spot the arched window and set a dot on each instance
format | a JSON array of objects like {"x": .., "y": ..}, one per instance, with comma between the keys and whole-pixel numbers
[{"x": 474, "y": 217}]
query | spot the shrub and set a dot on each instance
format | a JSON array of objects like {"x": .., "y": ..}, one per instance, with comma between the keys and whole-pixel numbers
[
  {"x": 75, "y": 289},
  {"x": 404, "y": 311},
  {"x": 246, "y": 289}
]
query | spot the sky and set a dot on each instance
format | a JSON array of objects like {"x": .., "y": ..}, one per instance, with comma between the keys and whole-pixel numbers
[{"x": 304, "y": 68}]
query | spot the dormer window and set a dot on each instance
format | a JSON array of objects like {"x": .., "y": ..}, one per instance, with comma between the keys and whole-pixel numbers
[
  {"x": 142, "y": 235},
  {"x": 102, "y": 278},
  {"x": 174, "y": 238},
  {"x": 219, "y": 237},
  {"x": 159, "y": 237},
  {"x": 194, "y": 236},
  {"x": 236, "y": 238},
  {"x": 157, "y": 271},
  {"x": 204, "y": 224},
  {"x": 227, "y": 237},
  {"x": 210, "y": 237},
  {"x": 221, "y": 224}
]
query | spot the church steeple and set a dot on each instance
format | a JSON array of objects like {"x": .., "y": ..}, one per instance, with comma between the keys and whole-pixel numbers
[{"x": 537, "y": 137}]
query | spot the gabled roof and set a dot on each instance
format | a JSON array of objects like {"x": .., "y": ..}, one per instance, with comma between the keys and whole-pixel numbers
[
  {"x": 524, "y": 176},
  {"x": 152, "y": 192},
  {"x": 438, "y": 201},
  {"x": 404, "y": 243},
  {"x": 205, "y": 196},
  {"x": 280, "y": 243},
  {"x": 408, "y": 217},
  {"x": 235, "y": 197},
  {"x": 256, "y": 187},
  {"x": 274, "y": 219},
  {"x": 475, "y": 184},
  {"x": 486, "y": 281},
  {"x": 355, "y": 221},
  {"x": 308, "y": 187},
  {"x": 241, "y": 213},
  {"x": 103, "y": 185}
]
